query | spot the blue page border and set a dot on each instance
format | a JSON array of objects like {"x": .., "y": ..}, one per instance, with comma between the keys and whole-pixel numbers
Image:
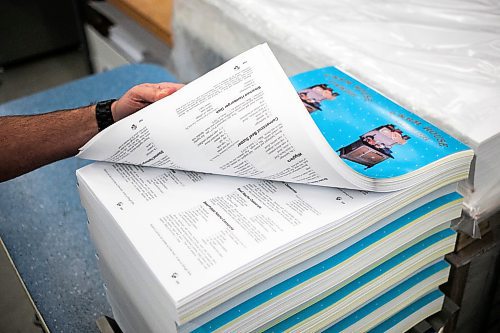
[
  {"x": 408, "y": 311},
  {"x": 324, "y": 266},
  {"x": 388, "y": 296},
  {"x": 366, "y": 278}
]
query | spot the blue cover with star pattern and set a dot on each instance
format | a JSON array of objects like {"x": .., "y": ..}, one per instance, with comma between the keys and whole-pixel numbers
[{"x": 375, "y": 136}]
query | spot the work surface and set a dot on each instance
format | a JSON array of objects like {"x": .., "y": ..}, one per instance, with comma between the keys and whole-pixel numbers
[{"x": 42, "y": 222}]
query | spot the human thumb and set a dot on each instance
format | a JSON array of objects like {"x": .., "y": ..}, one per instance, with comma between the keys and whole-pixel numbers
[{"x": 166, "y": 92}]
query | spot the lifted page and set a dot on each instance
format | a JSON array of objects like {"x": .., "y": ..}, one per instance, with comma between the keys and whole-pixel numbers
[{"x": 242, "y": 119}]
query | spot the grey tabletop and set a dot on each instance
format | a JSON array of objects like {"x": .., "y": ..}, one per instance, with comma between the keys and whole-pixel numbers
[{"x": 42, "y": 221}]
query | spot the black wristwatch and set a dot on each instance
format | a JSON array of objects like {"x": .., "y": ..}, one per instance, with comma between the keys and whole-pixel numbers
[{"x": 103, "y": 114}]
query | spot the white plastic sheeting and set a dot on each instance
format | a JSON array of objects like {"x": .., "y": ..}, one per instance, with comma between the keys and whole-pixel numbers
[{"x": 439, "y": 59}]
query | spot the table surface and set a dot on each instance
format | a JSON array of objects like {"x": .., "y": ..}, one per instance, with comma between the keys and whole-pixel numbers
[{"x": 42, "y": 222}]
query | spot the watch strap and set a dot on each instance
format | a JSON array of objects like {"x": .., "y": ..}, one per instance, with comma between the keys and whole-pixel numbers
[{"x": 103, "y": 114}]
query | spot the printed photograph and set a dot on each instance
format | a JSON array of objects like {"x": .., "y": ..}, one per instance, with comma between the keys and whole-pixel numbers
[
  {"x": 314, "y": 95},
  {"x": 374, "y": 146}
]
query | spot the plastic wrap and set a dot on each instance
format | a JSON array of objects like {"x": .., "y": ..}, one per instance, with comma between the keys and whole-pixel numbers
[{"x": 439, "y": 59}]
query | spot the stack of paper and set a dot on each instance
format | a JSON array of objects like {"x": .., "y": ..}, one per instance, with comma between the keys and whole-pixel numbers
[
  {"x": 404, "y": 305},
  {"x": 383, "y": 244},
  {"x": 440, "y": 62},
  {"x": 185, "y": 251}
]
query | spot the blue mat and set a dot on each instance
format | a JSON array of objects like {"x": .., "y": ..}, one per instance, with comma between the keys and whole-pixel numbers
[{"x": 41, "y": 220}]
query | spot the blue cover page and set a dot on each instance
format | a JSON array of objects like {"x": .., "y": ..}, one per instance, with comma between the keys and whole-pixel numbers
[{"x": 372, "y": 134}]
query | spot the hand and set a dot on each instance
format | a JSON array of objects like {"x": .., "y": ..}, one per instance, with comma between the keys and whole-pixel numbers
[{"x": 141, "y": 96}]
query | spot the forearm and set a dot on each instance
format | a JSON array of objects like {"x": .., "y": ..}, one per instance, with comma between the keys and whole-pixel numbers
[{"x": 29, "y": 142}]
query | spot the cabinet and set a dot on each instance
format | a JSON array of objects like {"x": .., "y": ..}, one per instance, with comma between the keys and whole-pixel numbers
[{"x": 125, "y": 31}]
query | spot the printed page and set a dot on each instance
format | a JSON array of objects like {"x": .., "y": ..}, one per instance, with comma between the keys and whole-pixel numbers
[
  {"x": 208, "y": 226},
  {"x": 373, "y": 135},
  {"x": 242, "y": 119}
]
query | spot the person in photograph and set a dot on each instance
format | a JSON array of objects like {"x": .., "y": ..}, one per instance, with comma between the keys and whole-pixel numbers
[
  {"x": 314, "y": 95},
  {"x": 394, "y": 134},
  {"x": 384, "y": 138},
  {"x": 370, "y": 141}
]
